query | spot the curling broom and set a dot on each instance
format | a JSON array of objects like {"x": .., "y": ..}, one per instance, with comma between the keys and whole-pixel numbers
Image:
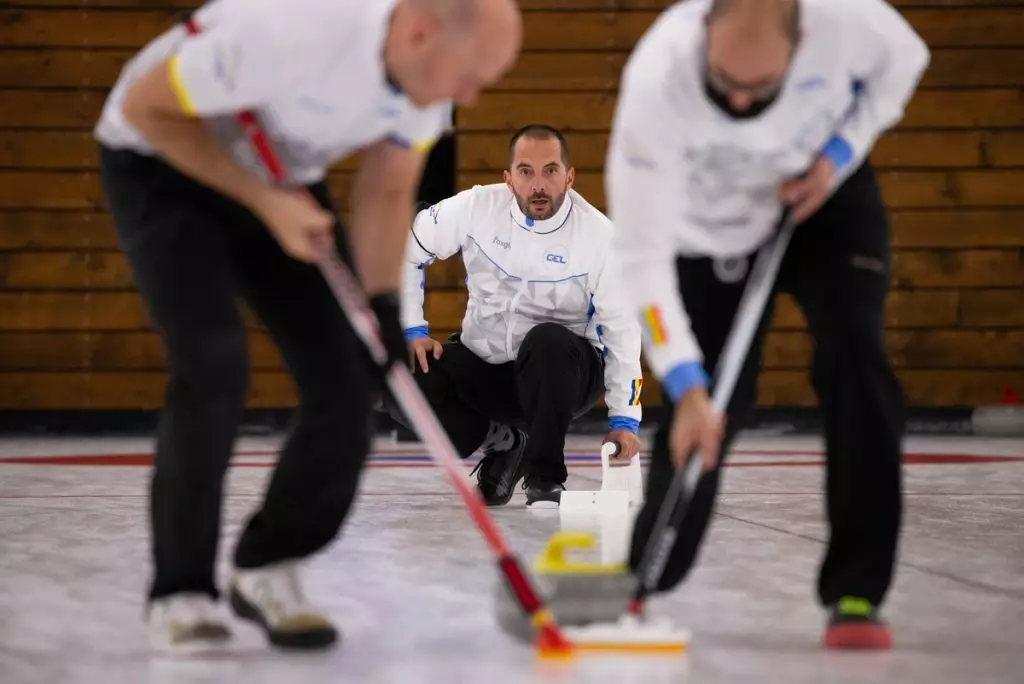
[{"x": 353, "y": 301}]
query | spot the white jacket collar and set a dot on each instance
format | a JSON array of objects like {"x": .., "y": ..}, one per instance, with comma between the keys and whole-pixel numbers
[{"x": 549, "y": 225}]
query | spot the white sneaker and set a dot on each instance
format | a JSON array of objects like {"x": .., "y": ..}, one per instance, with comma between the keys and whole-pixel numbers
[
  {"x": 272, "y": 598},
  {"x": 187, "y": 623}
]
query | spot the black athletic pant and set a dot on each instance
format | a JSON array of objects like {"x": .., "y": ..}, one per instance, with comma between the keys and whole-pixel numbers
[
  {"x": 194, "y": 253},
  {"x": 556, "y": 377},
  {"x": 837, "y": 268}
]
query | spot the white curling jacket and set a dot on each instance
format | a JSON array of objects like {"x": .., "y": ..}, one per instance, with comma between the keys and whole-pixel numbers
[{"x": 522, "y": 272}]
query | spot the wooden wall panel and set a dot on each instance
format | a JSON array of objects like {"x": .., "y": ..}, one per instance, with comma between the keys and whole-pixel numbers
[
  {"x": 82, "y": 310},
  {"x": 61, "y": 67},
  {"x": 50, "y": 108},
  {"x": 108, "y": 351},
  {"x": 73, "y": 333},
  {"x": 99, "y": 390},
  {"x": 51, "y": 228},
  {"x": 958, "y": 228}
]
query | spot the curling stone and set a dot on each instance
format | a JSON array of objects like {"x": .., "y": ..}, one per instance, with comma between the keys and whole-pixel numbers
[{"x": 577, "y": 593}]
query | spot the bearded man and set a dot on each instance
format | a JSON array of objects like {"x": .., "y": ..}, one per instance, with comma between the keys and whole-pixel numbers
[{"x": 546, "y": 328}]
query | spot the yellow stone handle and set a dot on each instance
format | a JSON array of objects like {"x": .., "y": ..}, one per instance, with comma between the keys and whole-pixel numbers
[{"x": 554, "y": 562}]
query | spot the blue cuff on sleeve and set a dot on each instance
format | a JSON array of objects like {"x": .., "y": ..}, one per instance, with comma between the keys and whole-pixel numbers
[
  {"x": 680, "y": 379},
  {"x": 839, "y": 151},
  {"x": 416, "y": 333},
  {"x": 623, "y": 423}
]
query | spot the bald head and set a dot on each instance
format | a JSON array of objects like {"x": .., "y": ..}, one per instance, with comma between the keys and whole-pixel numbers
[
  {"x": 498, "y": 33},
  {"x": 759, "y": 17},
  {"x": 749, "y": 46},
  {"x": 488, "y": 20},
  {"x": 451, "y": 14},
  {"x": 452, "y": 49}
]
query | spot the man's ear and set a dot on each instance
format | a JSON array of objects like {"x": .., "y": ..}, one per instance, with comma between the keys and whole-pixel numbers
[
  {"x": 508, "y": 180},
  {"x": 570, "y": 177}
]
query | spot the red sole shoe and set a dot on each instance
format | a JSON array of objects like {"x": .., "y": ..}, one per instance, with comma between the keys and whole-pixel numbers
[{"x": 858, "y": 636}]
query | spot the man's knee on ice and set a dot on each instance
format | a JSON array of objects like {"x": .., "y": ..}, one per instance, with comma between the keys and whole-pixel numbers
[{"x": 548, "y": 337}]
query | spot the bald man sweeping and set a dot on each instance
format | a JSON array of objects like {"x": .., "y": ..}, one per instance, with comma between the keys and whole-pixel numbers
[
  {"x": 202, "y": 225},
  {"x": 729, "y": 111}
]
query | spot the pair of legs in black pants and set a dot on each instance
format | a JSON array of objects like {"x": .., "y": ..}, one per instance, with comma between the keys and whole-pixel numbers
[
  {"x": 194, "y": 254},
  {"x": 837, "y": 268},
  {"x": 556, "y": 377}
]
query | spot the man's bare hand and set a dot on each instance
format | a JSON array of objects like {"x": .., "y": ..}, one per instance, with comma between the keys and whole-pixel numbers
[
  {"x": 296, "y": 221},
  {"x": 422, "y": 347},
  {"x": 629, "y": 446},
  {"x": 807, "y": 193},
  {"x": 696, "y": 425}
]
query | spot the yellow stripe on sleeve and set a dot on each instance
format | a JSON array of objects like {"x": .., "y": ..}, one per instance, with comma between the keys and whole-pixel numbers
[
  {"x": 180, "y": 91},
  {"x": 656, "y": 329},
  {"x": 424, "y": 145}
]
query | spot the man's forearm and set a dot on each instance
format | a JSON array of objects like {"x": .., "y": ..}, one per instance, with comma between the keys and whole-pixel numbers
[
  {"x": 380, "y": 228},
  {"x": 184, "y": 142}
]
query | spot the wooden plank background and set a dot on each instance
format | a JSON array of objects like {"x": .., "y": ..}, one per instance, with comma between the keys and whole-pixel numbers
[{"x": 73, "y": 334}]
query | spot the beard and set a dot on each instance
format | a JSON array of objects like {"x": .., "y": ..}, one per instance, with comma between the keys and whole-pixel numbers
[
  {"x": 721, "y": 100},
  {"x": 540, "y": 206}
]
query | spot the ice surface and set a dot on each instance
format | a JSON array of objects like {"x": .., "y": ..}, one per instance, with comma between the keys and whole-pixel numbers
[{"x": 411, "y": 583}]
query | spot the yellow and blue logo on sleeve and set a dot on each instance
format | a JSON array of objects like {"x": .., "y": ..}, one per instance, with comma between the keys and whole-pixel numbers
[
  {"x": 655, "y": 325},
  {"x": 634, "y": 395}
]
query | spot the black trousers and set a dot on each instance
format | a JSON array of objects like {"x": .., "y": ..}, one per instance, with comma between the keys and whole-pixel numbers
[
  {"x": 194, "y": 253},
  {"x": 556, "y": 377},
  {"x": 837, "y": 268}
]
